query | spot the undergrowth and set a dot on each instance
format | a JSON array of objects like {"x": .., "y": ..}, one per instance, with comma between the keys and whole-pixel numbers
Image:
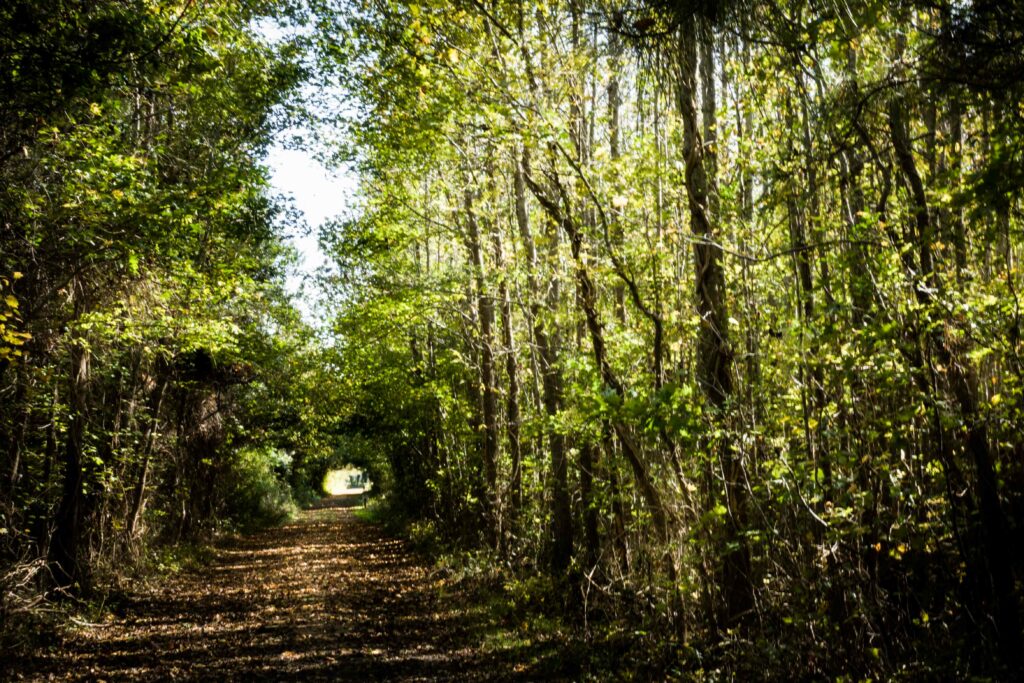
[
  {"x": 536, "y": 621},
  {"x": 33, "y": 613},
  {"x": 260, "y": 496}
]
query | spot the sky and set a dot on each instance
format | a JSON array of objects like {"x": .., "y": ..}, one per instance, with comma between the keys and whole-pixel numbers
[{"x": 318, "y": 194}]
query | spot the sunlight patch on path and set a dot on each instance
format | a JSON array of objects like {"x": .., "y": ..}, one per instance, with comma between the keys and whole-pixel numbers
[{"x": 346, "y": 481}]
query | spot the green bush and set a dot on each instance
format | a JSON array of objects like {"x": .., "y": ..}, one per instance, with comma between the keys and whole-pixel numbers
[{"x": 260, "y": 496}]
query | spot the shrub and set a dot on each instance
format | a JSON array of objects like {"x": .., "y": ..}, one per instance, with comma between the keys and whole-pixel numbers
[{"x": 260, "y": 496}]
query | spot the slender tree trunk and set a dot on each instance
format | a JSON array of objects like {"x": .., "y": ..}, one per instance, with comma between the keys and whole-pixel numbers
[
  {"x": 149, "y": 440},
  {"x": 489, "y": 399},
  {"x": 615, "y": 153},
  {"x": 854, "y": 206},
  {"x": 512, "y": 372},
  {"x": 619, "y": 295},
  {"x": 64, "y": 545},
  {"x": 958, "y": 235},
  {"x": 714, "y": 356},
  {"x": 803, "y": 223},
  {"x": 551, "y": 385},
  {"x": 16, "y": 438}
]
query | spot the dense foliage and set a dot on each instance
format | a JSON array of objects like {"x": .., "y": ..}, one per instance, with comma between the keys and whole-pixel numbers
[
  {"x": 707, "y": 311},
  {"x": 699, "y": 320},
  {"x": 151, "y": 365}
]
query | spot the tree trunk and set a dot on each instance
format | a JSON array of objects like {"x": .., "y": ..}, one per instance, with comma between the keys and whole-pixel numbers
[
  {"x": 512, "y": 372},
  {"x": 714, "y": 357},
  {"x": 19, "y": 425},
  {"x": 149, "y": 440},
  {"x": 64, "y": 545},
  {"x": 489, "y": 399},
  {"x": 551, "y": 386}
]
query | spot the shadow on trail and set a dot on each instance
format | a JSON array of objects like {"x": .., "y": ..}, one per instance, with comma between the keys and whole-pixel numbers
[
  {"x": 345, "y": 500},
  {"x": 326, "y": 598}
]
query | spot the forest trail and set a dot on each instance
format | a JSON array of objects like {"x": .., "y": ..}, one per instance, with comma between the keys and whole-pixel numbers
[{"x": 327, "y": 597}]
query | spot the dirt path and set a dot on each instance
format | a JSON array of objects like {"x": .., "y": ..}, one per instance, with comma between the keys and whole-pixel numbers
[{"x": 328, "y": 597}]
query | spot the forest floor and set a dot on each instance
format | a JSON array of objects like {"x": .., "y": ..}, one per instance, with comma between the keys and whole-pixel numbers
[{"x": 326, "y": 597}]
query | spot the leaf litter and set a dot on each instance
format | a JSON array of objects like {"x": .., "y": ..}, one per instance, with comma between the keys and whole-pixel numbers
[{"x": 327, "y": 597}]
